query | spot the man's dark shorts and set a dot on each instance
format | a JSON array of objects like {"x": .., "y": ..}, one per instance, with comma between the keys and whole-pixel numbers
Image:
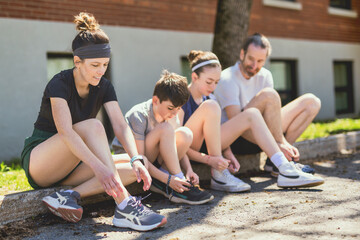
[{"x": 240, "y": 146}]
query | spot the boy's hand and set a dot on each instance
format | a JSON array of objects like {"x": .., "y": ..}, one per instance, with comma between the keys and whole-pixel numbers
[
  {"x": 179, "y": 185},
  {"x": 192, "y": 177}
]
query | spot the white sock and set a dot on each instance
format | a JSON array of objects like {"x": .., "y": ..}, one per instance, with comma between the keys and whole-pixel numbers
[
  {"x": 164, "y": 170},
  {"x": 278, "y": 158},
  {"x": 69, "y": 191},
  {"x": 123, "y": 204},
  {"x": 180, "y": 175}
]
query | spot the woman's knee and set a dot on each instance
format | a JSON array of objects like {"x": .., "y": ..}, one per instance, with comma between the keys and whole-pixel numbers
[
  {"x": 211, "y": 107},
  {"x": 90, "y": 126},
  {"x": 252, "y": 114},
  {"x": 184, "y": 136}
]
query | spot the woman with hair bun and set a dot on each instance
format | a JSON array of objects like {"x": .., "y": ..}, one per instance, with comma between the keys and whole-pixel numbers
[
  {"x": 212, "y": 140},
  {"x": 69, "y": 146}
]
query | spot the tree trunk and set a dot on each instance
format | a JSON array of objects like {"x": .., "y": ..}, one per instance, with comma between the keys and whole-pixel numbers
[{"x": 232, "y": 23}]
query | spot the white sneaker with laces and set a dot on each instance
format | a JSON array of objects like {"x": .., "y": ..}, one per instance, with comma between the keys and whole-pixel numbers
[
  {"x": 291, "y": 176},
  {"x": 225, "y": 181}
]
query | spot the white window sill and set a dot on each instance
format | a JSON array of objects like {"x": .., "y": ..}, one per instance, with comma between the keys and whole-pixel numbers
[
  {"x": 283, "y": 4},
  {"x": 342, "y": 12}
]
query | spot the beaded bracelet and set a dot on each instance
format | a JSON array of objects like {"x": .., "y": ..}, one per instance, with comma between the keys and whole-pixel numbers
[{"x": 167, "y": 187}]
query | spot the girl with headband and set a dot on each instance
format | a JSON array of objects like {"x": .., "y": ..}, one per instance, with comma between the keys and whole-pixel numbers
[
  {"x": 70, "y": 147},
  {"x": 212, "y": 140}
]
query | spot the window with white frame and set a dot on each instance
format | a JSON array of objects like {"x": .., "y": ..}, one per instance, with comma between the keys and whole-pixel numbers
[
  {"x": 342, "y": 8},
  {"x": 343, "y": 4},
  {"x": 288, "y": 4}
]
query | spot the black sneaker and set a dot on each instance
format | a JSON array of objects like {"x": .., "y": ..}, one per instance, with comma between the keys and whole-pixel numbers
[
  {"x": 274, "y": 171},
  {"x": 194, "y": 196},
  {"x": 137, "y": 216},
  {"x": 64, "y": 205}
]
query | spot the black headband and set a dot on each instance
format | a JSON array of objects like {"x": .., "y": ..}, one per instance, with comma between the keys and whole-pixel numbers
[{"x": 93, "y": 51}]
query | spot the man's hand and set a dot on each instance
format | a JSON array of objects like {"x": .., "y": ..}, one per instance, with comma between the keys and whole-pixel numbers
[{"x": 290, "y": 152}]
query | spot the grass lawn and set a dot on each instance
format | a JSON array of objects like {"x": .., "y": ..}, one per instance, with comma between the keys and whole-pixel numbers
[
  {"x": 13, "y": 179},
  {"x": 324, "y": 129}
]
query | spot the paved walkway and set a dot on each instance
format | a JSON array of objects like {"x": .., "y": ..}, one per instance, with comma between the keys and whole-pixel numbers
[{"x": 329, "y": 211}]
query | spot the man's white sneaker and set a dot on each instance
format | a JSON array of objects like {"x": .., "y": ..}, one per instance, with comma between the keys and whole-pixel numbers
[
  {"x": 291, "y": 176},
  {"x": 225, "y": 181}
]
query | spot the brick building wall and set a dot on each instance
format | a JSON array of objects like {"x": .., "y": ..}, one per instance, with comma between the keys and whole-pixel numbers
[
  {"x": 183, "y": 15},
  {"x": 313, "y": 22}
]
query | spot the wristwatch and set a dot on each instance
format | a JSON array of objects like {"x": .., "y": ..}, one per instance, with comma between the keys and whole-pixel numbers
[{"x": 135, "y": 158}]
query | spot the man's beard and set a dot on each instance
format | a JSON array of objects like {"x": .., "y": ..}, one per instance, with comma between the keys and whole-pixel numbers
[{"x": 248, "y": 69}]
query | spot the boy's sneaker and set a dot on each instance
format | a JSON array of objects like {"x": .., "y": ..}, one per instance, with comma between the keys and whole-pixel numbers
[
  {"x": 225, "y": 181},
  {"x": 274, "y": 171},
  {"x": 194, "y": 196},
  {"x": 291, "y": 176},
  {"x": 64, "y": 205},
  {"x": 137, "y": 216}
]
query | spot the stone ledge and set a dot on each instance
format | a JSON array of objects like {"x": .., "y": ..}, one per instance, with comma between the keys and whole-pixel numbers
[{"x": 22, "y": 205}]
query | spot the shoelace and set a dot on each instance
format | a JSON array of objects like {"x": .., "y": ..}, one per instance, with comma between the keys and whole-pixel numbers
[
  {"x": 228, "y": 175},
  {"x": 142, "y": 209}
]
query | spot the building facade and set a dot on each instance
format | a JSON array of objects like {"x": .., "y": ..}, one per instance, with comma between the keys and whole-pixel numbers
[{"x": 316, "y": 48}]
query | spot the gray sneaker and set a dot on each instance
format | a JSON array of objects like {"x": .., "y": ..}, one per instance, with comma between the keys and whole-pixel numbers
[
  {"x": 64, "y": 205},
  {"x": 137, "y": 216}
]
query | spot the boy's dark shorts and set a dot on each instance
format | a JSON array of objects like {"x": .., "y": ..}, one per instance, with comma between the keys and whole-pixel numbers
[{"x": 36, "y": 138}]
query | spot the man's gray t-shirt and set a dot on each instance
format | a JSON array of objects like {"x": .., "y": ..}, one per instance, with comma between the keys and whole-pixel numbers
[{"x": 141, "y": 120}]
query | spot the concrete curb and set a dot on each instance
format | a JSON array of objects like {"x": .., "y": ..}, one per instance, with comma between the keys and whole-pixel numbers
[{"x": 22, "y": 205}]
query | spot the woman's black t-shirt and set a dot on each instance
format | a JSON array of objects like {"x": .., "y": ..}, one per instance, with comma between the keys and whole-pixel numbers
[{"x": 62, "y": 85}]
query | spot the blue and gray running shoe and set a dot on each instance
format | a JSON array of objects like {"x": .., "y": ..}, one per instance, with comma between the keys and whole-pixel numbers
[
  {"x": 270, "y": 167},
  {"x": 64, "y": 205},
  {"x": 194, "y": 196},
  {"x": 137, "y": 216}
]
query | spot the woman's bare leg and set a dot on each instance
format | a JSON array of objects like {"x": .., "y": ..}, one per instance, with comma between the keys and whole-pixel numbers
[
  {"x": 204, "y": 123},
  {"x": 52, "y": 160},
  {"x": 249, "y": 119}
]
